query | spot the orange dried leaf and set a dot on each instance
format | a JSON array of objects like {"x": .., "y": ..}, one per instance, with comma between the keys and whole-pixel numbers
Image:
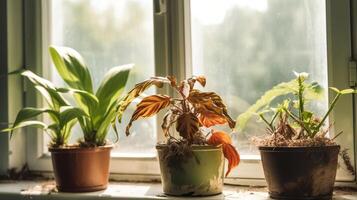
[
  {"x": 201, "y": 80},
  {"x": 137, "y": 90},
  {"x": 209, "y": 119},
  {"x": 221, "y": 138},
  {"x": 148, "y": 107}
]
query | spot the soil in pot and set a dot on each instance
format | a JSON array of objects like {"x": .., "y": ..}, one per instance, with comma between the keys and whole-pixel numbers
[
  {"x": 198, "y": 172},
  {"x": 79, "y": 169},
  {"x": 300, "y": 172}
]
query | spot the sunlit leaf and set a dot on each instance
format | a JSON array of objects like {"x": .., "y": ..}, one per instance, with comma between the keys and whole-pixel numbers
[
  {"x": 110, "y": 90},
  {"x": 148, "y": 107},
  {"x": 278, "y": 90},
  {"x": 348, "y": 91},
  {"x": 29, "y": 123},
  {"x": 28, "y": 113},
  {"x": 137, "y": 90},
  {"x": 69, "y": 113},
  {"x": 335, "y": 89},
  {"x": 71, "y": 67},
  {"x": 47, "y": 89}
]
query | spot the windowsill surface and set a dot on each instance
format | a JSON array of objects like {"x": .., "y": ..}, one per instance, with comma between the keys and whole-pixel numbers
[{"x": 123, "y": 190}]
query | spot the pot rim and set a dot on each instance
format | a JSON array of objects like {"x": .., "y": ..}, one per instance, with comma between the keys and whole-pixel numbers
[
  {"x": 75, "y": 148},
  {"x": 194, "y": 147},
  {"x": 296, "y": 148}
]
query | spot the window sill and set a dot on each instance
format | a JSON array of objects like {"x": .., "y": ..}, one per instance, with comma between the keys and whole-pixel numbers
[{"x": 123, "y": 190}]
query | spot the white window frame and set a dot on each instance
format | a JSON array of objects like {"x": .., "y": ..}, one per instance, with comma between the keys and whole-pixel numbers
[{"x": 173, "y": 56}]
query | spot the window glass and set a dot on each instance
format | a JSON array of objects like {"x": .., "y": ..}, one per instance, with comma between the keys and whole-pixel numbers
[
  {"x": 245, "y": 47},
  {"x": 110, "y": 33}
]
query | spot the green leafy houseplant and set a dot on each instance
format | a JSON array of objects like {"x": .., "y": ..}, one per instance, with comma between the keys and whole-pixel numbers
[
  {"x": 291, "y": 123},
  {"x": 95, "y": 112},
  {"x": 296, "y": 151},
  {"x": 184, "y": 164},
  {"x": 101, "y": 109}
]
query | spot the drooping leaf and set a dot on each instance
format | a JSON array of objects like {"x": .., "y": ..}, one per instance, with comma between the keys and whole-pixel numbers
[
  {"x": 110, "y": 90},
  {"x": 169, "y": 119},
  {"x": 335, "y": 90},
  {"x": 187, "y": 125},
  {"x": 28, "y": 113},
  {"x": 278, "y": 90},
  {"x": 71, "y": 67},
  {"x": 148, "y": 107},
  {"x": 29, "y": 123},
  {"x": 210, "y": 102},
  {"x": 47, "y": 89},
  {"x": 313, "y": 91},
  {"x": 222, "y": 138},
  {"x": 200, "y": 79},
  {"x": 137, "y": 90}
]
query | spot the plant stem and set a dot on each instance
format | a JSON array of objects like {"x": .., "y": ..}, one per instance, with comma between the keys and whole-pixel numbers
[
  {"x": 301, "y": 123},
  {"x": 338, "y": 134},
  {"x": 266, "y": 121},
  {"x": 301, "y": 99},
  {"x": 327, "y": 113}
]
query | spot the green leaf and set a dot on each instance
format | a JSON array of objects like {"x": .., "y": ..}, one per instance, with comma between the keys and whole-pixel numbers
[
  {"x": 278, "y": 90},
  {"x": 348, "y": 91},
  {"x": 87, "y": 101},
  {"x": 28, "y": 113},
  {"x": 345, "y": 91},
  {"x": 313, "y": 91},
  {"x": 30, "y": 123},
  {"x": 110, "y": 90},
  {"x": 47, "y": 89},
  {"x": 335, "y": 90},
  {"x": 69, "y": 113},
  {"x": 71, "y": 67},
  {"x": 306, "y": 115}
]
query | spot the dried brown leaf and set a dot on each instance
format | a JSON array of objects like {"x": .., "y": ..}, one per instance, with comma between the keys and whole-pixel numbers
[
  {"x": 200, "y": 79},
  {"x": 137, "y": 90},
  {"x": 187, "y": 125},
  {"x": 148, "y": 107},
  {"x": 210, "y": 102}
]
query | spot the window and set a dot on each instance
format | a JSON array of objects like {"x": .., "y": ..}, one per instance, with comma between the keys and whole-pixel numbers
[
  {"x": 252, "y": 45},
  {"x": 107, "y": 34},
  {"x": 243, "y": 47}
]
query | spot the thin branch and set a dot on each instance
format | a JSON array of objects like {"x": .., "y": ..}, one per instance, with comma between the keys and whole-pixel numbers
[
  {"x": 327, "y": 113},
  {"x": 295, "y": 118},
  {"x": 338, "y": 134}
]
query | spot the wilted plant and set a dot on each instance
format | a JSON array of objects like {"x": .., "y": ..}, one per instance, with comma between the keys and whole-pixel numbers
[
  {"x": 101, "y": 109},
  {"x": 190, "y": 113},
  {"x": 291, "y": 122},
  {"x": 62, "y": 115}
]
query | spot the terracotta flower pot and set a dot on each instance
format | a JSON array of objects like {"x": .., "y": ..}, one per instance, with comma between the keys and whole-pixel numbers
[
  {"x": 198, "y": 175},
  {"x": 300, "y": 172},
  {"x": 81, "y": 169}
]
